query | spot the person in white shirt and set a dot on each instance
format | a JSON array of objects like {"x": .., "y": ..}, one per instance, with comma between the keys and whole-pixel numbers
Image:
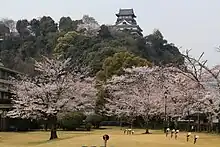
[
  {"x": 176, "y": 133},
  {"x": 167, "y": 131},
  {"x": 195, "y": 138},
  {"x": 172, "y": 132},
  {"x": 187, "y": 136}
]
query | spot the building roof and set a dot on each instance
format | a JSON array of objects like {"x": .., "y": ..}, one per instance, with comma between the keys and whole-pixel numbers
[{"x": 126, "y": 12}]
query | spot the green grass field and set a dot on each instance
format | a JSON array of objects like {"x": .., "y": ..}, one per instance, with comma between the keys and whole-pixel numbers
[{"x": 117, "y": 139}]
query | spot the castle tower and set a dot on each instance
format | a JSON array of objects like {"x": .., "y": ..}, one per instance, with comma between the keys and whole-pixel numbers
[{"x": 126, "y": 21}]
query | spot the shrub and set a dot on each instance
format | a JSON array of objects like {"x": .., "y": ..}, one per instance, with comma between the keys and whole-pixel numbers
[
  {"x": 88, "y": 126},
  {"x": 21, "y": 125},
  {"x": 94, "y": 119},
  {"x": 71, "y": 120}
]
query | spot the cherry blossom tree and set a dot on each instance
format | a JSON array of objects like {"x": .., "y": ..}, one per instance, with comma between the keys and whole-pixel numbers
[
  {"x": 185, "y": 93},
  {"x": 185, "y": 96},
  {"x": 210, "y": 75},
  {"x": 210, "y": 79},
  {"x": 53, "y": 90},
  {"x": 165, "y": 77},
  {"x": 135, "y": 94},
  {"x": 145, "y": 88},
  {"x": 165, "y": 91},
  {"x": 119, "y": 102},
  {"x": 89, "y": 25},
  {"x": 191, "y": 94}
]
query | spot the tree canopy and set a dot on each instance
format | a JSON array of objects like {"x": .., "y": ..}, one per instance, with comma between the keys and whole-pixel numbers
[
  {"x": 54, "y": 89},
  {"x": 88, "y": 43}
]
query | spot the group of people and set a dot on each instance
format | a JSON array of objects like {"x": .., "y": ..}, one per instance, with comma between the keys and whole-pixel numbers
[
  {"x": 129, "y": 131},
  {"x": 173, "y": 131},
  {"x": 196, "y": 137}
]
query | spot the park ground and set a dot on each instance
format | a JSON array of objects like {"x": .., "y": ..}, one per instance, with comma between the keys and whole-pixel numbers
[{"x": 117, "y": 139}]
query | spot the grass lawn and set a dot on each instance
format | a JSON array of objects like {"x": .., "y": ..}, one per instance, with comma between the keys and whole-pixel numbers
[{"x": 117, "y": 139}]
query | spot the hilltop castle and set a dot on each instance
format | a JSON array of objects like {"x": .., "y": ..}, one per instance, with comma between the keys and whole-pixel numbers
[{"x": 126, "y": 21}]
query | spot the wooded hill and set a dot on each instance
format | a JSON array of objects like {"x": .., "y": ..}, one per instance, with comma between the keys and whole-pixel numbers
[{"x": 85, "y": 41}]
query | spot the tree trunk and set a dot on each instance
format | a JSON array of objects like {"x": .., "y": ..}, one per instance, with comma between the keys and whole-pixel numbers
[
  {"x": 120, "y": 124},
  {"x": 210, "y": 123},
  {"x": 53, "y": 132},
  {"x": 146, "y": 126},
  {"x": 218, "y": 125},
  {"x": 211, "y": 127},
  {"x": 199, "y": 129},
  {"x": 147, "y": 131},
  {"x": 45, "y": 126},
  {"x": 132, "y": 124},
  {"x": 188, "y": 124}
]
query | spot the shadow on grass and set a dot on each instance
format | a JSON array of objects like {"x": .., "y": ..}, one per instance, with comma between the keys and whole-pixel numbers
[
  {"x": 54, "y": 140},
  {"x": 47, "y": 141},
  {"x": 102, "y": 128}
]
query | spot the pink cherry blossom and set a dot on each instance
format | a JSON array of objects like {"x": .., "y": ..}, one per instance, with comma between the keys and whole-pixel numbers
[{"x": 53, "y": 90}]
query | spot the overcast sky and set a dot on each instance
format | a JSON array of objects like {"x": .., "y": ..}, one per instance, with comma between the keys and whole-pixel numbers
[{"x": 190, "y": 24}]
